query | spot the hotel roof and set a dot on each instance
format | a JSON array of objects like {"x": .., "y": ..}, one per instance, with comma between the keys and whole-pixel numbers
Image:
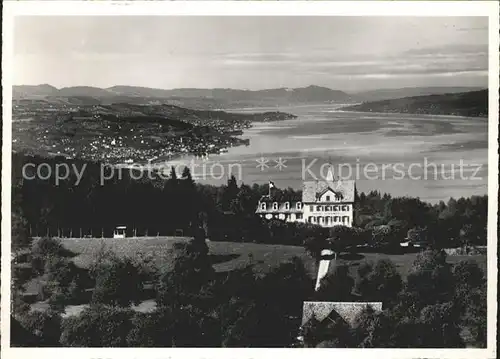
[{"x": 311, "y": 190}]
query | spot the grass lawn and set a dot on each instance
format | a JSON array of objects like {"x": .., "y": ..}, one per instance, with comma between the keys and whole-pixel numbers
[{"x": 228, "y": 256}]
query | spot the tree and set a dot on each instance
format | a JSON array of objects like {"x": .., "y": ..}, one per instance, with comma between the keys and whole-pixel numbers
[
  {"x": 118, "y": 281},
  {"x": 314, "y": 246},
  {"x": 470, "y": 235},
  {"x": 152, "y": 329},
  {"x": 283, "y": 291},
  {"x": 45, "y": 326},
  {"x": 186, "y": 176},
  {"x": 405, "y": 331},
  {"x": 417, "y": 235},
  {"x": 439, "y": 327},
  {"x": 229, "y": 196},
  {"x": 475, "y": 316},
  {"x": 342, "y": 237},
  {"x": 329, "y": 333},
  {"x": 20, "y": 236},
  {"x": 468, "y": 275},
  {"x": 411, "y": 210},
  {"x": 244, "y": 330},
  {"x": 310, "y": 332},
  {"x": 336, "y": 286},
  {"x": 43, "y": 250},
  {"x": 246, "y": 200},
  {"x": 379, "y": 283},
  {"x": 173, "y": 174},
  {"x": 381, "y": 235},
  {"x": 63, "y": 282},
  {"x": 430, "y": 281},
  {"x": 192, "y": 270},
  {"x": 20, "y": 246},
  {"x": 172, "y": 326},
  {"x": 97, "y": 326},
  {"x": 373, "y": 330},
  {"x": 471, "y": 300}
]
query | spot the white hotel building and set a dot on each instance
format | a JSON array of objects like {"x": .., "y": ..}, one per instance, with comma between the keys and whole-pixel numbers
[{"x": 326, "y": 203}]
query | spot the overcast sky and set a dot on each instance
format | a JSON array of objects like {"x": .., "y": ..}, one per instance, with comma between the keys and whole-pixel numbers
[{"x": 345, "y": 53}]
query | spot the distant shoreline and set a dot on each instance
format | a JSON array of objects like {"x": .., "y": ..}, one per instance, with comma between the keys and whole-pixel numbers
[
  {"x": 466, "y": 104},
  {"x": 408, "y": 113}
]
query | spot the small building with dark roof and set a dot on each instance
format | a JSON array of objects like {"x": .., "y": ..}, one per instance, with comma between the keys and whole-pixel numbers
[{"x": 324, "y": 314}]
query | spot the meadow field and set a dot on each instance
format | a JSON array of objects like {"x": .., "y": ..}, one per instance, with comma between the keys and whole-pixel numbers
[{"x": 227, "y": 256}]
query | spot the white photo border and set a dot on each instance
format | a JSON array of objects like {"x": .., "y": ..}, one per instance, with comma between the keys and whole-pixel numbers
[{"x": 249, "y": 8}]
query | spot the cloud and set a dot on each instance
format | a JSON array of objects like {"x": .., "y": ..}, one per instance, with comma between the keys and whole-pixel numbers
[
  {"x": 469, "y": 29},
  {"x": 380, "y": 76},
  {"x": 462, "y": 60},
  {"x": 451, "y": 49}
]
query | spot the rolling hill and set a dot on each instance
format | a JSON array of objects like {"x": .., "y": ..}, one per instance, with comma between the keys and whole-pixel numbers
[
  {"x": 387, "y": 94},
  {"x": 222, "y": 98},
  {"x": 188, "y": 97},
  {"x": 473, "y": 104},
  {"x": 305, "y": 94},
  {"x": 36, "y": 91}
]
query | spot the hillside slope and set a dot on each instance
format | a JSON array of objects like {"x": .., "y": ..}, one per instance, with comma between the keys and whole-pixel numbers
[
  {"x": 387, "y": 94},
  {"x": 124, "y": 132},
  {"x": 471, "y": 104}
]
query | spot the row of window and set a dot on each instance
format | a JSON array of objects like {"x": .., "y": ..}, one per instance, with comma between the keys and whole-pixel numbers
[
  {"x": 327, "y": 220},
  {"x": 344, "y": 207},
  {"x": 263, "y": 206},
  {"x": 283, "y": 216},
  {"x": 298, "y": 206},
  {"x": 337, "y": 197}
]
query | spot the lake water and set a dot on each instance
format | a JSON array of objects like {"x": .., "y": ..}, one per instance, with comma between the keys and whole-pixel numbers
[{"x": 431, "y": 157}]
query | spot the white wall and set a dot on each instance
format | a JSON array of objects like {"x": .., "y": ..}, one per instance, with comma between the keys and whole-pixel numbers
[{"x": 339, "y": 212}]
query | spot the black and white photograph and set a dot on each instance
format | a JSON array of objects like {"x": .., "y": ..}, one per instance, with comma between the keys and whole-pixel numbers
[{"x": 251, "y": 181}]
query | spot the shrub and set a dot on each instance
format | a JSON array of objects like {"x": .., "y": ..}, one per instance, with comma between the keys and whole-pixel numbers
[
  {"x": 373, "y": 330},
  {"x": 97, "y": 326},
  {"x": 45, "y": 326},
  {"x": 468, "y": 274},
  {"x": 475, "y": 317},
  {"x": 430, "y": 281},
  {"x": 118, "y": 281},
  {"x": 64, "y": 283},
  {"x": 439, "y": 327},
  {"x": 336, "y": 286},
  {"x": 151, "y": 330},
  {"x": 381, "y": 282},
  {"x": 191, "y": 272},
  {"x": 44, "y": 250}
]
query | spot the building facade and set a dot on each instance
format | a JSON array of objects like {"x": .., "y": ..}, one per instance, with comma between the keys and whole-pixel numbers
[{"x": 326, "y": 203}]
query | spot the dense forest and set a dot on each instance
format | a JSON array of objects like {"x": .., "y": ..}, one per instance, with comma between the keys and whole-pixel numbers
[{"x": 162, "y": 206}]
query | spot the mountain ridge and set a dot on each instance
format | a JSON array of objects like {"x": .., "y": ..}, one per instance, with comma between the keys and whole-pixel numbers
[
  {"x": 220, "y": 98},
  {"x": 183, "y": 92},
  {"x": 190, "y": 97}
]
